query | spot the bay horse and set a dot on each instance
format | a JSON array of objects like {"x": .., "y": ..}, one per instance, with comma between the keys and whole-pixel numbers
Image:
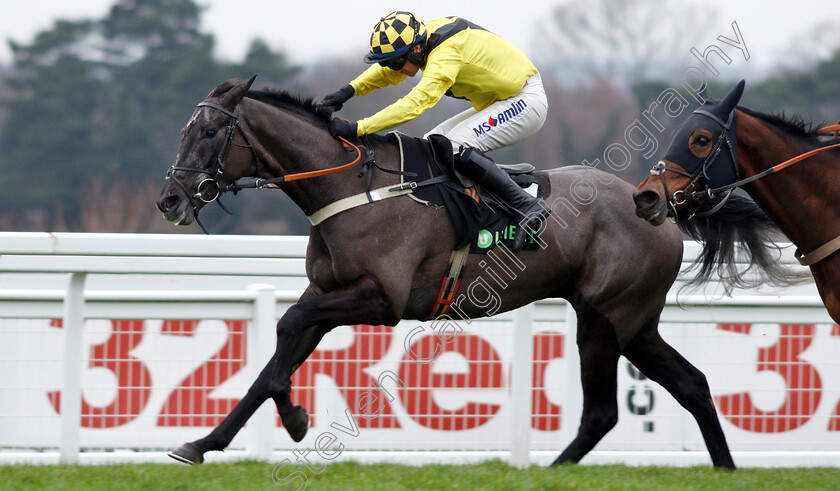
[
  {"x": 721, "y": 147},
  {"x": 381, "y": 262}
]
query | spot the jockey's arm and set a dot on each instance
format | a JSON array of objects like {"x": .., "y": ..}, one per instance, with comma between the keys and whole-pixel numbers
[
  {"x": 439, "y": 75},
  {"x": 375, "y": 77}
]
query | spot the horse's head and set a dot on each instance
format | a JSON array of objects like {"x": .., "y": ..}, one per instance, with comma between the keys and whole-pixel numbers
[
  {"x": 701, "y": 157},
  {"x": 213, "y": 153}
]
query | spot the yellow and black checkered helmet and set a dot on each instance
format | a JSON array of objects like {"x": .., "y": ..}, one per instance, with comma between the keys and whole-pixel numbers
[{"x": 394, "y": 35}]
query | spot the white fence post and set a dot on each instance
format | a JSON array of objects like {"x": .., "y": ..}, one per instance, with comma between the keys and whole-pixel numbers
[
  {"x": 260, "y": 347},
  {"x": 71, "y": 385},
  {"x": 521, "y": 386}
]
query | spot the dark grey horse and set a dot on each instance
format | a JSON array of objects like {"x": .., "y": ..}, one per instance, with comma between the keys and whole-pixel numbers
[{"x": 384, "y": 261}]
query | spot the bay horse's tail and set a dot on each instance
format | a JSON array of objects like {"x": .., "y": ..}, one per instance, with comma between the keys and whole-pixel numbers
[{"x": 739, "y": 228}]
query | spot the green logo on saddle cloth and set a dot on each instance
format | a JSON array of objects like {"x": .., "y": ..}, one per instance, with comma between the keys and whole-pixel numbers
[{"x": 486, "y": 239}]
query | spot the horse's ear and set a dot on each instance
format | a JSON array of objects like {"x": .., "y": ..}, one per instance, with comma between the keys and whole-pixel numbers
[
  {"x": 221, "y": 89},
  {"x": 731, "y": 100},
  {"x": 237, "y": 92}
]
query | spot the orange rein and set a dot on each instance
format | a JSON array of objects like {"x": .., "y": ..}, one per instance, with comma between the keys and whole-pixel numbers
[
  {"x": 828, "y": 129},
  {"x": 324, "y": 172}
]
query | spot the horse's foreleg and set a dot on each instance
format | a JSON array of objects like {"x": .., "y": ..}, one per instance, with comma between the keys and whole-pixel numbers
[
  {"x": 221, "y": 436},
  {"x": 599, "y": 352},
  {"x": 305, "y": 323},
  {"x": 295, "y": 419},
  {"x": 298, "y": 333},
  {"x": 662, "y": 364}
]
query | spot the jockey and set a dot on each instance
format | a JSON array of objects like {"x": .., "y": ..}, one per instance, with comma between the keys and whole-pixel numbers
[{"x": 463, "y": 60}]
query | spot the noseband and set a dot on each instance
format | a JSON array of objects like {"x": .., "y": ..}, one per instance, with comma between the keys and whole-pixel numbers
[
  {"x": 209, "y": 189},
  {"x": 680, "y": 196}
]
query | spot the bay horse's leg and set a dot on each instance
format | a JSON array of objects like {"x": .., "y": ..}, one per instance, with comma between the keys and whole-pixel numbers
[
  {"x": 662, "y": 364},
  {"x": 298, "y": 332},
  {"x": 599, "y": 352}
]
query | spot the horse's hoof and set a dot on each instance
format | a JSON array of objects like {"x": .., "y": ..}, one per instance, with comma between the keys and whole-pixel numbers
[
  {"x": 187, "y": 454},
  {"x": 297, "y": 423}
]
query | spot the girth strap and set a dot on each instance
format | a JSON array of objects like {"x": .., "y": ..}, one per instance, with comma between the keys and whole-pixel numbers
[{"x": 350, "y": 202}]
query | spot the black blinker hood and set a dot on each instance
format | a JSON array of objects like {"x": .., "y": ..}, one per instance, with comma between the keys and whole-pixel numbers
[{"x": 718, "y": 118}]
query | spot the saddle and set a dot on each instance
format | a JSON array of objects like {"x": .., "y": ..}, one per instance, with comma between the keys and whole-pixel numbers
[{"x": 480, "y": 219}]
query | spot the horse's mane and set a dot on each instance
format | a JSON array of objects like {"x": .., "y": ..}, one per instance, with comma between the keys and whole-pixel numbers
[
  {"x": 739, "y": 222},
  {"x": 304, "y": 106},
  {"x": 794, "y": 126}
]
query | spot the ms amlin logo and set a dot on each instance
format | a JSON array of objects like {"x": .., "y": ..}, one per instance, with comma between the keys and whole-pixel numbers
[{"x": 486, "y": 128}]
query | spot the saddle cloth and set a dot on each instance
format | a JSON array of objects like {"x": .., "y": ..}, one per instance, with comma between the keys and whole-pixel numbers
[{"x": 479, "y": 218}]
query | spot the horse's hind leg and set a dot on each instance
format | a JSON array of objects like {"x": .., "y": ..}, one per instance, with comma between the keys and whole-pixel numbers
[
  {"x": 662, "y": 364},
  {"x": 599, "y": 352}
]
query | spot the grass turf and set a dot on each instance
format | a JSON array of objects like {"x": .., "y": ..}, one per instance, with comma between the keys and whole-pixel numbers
[{"x": 348, "y": 476}]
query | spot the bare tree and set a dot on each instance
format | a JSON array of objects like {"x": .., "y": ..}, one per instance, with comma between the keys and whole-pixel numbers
[{"x": 623, "y": 40}]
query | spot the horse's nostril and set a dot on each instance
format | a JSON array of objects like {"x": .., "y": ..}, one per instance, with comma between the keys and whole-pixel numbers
[
  {"x": 646, "y": 198},
  {"x": 168, "y": 203}
]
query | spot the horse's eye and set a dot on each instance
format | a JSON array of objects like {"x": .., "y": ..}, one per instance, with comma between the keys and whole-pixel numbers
[
  {"x": 210, "y": 133},
  {"x": 702, "y": 140}
]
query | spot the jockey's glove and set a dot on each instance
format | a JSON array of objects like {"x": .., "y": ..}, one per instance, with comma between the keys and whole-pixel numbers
[
  {"x": 337, "y": 99},
  {"x": 342, "y": 127}
]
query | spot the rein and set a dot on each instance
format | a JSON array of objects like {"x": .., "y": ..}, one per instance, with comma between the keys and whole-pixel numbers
[{"x": 272, "y": 183}]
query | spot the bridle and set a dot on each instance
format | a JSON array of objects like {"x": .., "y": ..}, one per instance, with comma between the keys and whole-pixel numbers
[
  {"x": 209, "y": 189},
  {"x": 211, "y": 183},
  {"x": 703, "y": 170},
  {"x": 702, "y": 173}
]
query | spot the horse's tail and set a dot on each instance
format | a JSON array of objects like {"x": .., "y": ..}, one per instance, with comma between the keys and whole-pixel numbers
[{"x": 739, "y": 222}]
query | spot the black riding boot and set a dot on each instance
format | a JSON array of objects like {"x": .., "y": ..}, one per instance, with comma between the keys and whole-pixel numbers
[{"x": 483, "y": 170}]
